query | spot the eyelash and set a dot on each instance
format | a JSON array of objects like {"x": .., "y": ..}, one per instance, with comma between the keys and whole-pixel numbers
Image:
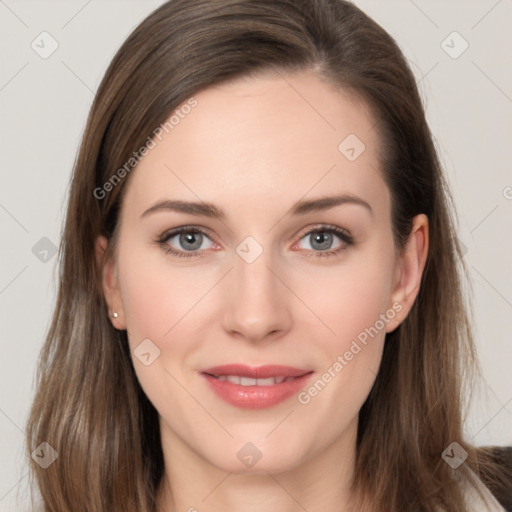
[{"x": 323, "y": 228}]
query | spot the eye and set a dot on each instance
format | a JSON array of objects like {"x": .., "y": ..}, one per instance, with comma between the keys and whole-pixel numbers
[
  {"x": 321, "y": 239},
  {"x": 191, "y": 239}
]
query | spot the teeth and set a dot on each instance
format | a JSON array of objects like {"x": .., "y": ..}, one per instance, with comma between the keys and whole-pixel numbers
[
  {"x": 249, "y": 381},
  {"x": 270, "y": 381}
]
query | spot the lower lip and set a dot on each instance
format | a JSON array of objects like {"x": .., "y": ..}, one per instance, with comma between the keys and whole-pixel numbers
[{"x": 256, "y": 397}]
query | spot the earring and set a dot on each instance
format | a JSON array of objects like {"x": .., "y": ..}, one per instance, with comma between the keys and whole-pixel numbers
[{"x": 115, "y": 315}]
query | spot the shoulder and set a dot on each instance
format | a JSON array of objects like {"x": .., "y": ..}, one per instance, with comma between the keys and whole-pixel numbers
[{"x": 498, "y": 493}]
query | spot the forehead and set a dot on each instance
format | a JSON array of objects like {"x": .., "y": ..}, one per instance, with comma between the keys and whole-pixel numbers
[{"x": 270, "y": 136}]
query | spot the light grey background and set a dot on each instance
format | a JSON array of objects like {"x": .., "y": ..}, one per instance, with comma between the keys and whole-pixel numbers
[{"x": 44, "y": 105}]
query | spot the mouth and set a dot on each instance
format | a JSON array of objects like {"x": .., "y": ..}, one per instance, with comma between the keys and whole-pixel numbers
[
  {"x": 255, "y": 387},
  {"x": 249, "y": 381}
]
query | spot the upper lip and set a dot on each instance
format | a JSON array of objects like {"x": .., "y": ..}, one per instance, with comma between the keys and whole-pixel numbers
[{"x": 256, "y": 372}]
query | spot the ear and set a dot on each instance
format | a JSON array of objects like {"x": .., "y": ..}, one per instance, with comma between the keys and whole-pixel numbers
[
  {"x": 110, "y": 285},
  {"x": 409, "y": 270}
]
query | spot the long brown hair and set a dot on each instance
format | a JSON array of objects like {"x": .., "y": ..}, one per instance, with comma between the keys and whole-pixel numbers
[{"x": 89, "y": 405}]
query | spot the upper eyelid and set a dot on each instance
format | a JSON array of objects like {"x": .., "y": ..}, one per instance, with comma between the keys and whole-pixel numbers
[{"x": 171, "y": 233}]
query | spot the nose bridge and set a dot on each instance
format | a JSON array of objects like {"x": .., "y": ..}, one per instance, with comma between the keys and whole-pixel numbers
[{"x": 257, "y": 304}]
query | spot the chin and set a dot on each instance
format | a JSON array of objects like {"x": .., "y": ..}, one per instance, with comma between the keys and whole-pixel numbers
[{"x": 257, "y": 456}]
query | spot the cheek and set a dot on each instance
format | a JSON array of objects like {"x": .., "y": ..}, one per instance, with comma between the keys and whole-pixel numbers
[
  {"x": 351, "y": 356},
  {"x": 355, "y": 296},
  {"x": 164, "y": 302},
  {"x": 155, "y": 296},
  {"x": 158, "y": 303},
  {"x": 356, "y": 308}
]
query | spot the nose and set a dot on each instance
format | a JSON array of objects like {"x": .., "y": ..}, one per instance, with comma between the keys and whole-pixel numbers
[{"x": 258, "y": 301}]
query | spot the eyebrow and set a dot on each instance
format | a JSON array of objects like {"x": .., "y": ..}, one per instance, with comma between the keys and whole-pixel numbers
[{"x": 300, "y": 208}]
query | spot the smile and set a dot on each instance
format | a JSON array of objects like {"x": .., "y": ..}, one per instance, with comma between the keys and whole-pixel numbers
[
  {"x": 255, "y": 387},
  {"x": 248, "y": 381}
]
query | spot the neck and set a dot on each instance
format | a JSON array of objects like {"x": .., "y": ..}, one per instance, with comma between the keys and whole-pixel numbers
[{"x": 321, "y": 482}]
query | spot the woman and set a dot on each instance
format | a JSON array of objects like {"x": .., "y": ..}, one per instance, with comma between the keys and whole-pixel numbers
[{"x": 307, "y": 350}]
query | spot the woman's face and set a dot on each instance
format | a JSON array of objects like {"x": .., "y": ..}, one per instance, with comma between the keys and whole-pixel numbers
[{"x": 265, "y": 283}]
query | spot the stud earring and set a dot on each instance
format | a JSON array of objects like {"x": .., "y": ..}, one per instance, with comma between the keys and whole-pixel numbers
[{"x": 115, "y": 315}]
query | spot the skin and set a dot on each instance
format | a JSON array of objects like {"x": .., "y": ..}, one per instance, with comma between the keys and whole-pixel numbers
[{"x": 254, "y": 147}]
